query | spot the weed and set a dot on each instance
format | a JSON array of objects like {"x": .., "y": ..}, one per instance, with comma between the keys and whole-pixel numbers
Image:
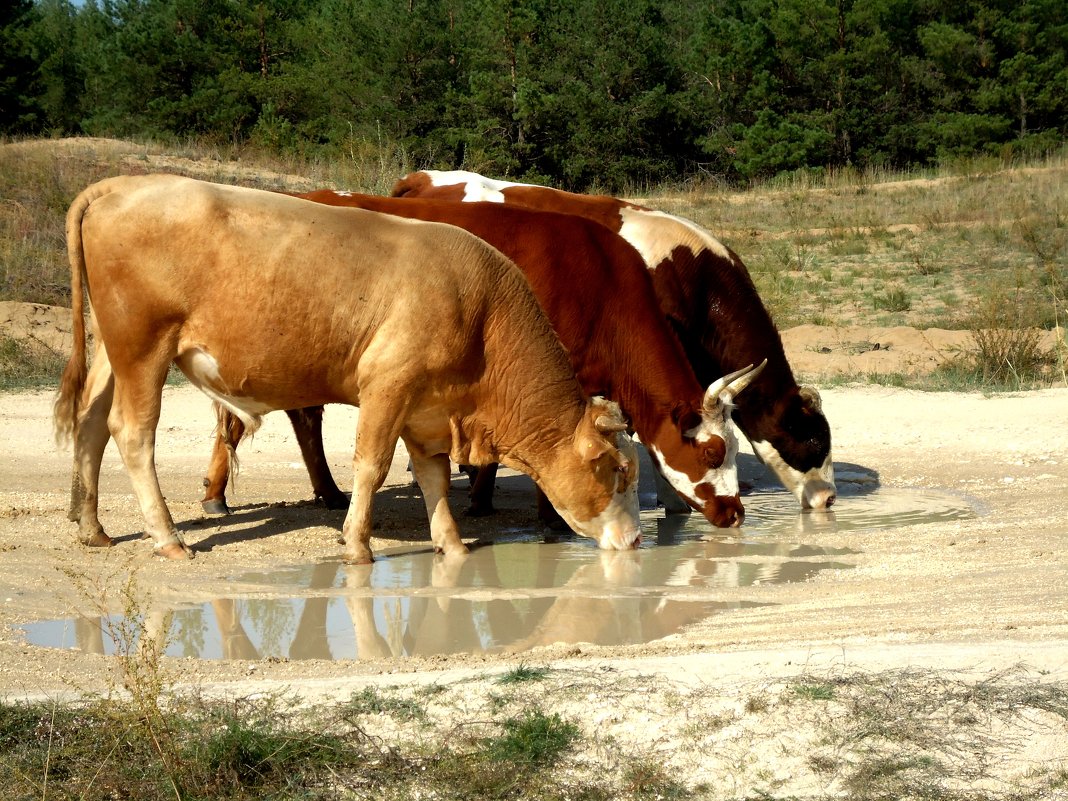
[
  {"x": 533, "y": 738},
  {"x": 523, "y": 673},
  {"x": 894, "y": 299},
  {"x": 1007, "y": 352},
  {"x": 648, "y": 779},
  {"x": 756, "y": 704},
  {"x": 372, "y": 701},
  {"x": 813, "y": 691}
]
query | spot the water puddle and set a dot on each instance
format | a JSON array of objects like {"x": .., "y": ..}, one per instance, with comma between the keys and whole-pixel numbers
[{"x": 517, "y": 594}]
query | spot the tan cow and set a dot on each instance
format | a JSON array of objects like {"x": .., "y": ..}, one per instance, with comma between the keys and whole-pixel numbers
[{"x": 432, "y": 333}]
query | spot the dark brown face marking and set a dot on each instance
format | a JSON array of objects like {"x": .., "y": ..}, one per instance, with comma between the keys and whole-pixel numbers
[
  {"x": 712, "y": 453},
  {"x": 724, "y": 511}
]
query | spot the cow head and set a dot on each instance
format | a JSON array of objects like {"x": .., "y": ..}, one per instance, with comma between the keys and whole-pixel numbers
[
  {"x": 798, "y": 449},
  {"x": 696, "y": 450},
  {"x": 594, "y": 485}
]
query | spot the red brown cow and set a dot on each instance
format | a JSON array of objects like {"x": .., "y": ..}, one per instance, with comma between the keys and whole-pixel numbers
[
  {"x": 432, "y": 333},
  {"x": 599, "y": 298},
  {"x": 704, "y": 289}
]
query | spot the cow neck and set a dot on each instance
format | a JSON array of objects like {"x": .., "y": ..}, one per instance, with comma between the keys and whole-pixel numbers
[
  {"x": 531, "y": 386},
  {"x": 634, "y": 359},
  {"x": 722, "y": 324}
]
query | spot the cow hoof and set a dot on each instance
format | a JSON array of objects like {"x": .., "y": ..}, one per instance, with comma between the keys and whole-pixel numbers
[
  {"x": 449, "y": 551},
  {"x": 98, "y": 539},
  {"x": 480, "y": 510},
  {"x": 555, "y": 524},
  {"x": 339, "y": 501},
  {"x": 215, "y": 506},
  {"x": 175, "y": 551}
]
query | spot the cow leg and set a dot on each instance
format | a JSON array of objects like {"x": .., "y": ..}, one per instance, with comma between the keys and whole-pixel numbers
[
  {"x": 227, "y": 434},
  {"x": 90, "y": 440},
  {"x": 481, "y": 492},
  {"x": 432, "y": 474},
  {"x": 547, "y": 513},
  {"x": 377, "y": 432},
  {"x": 133, "y": 420},
  {"x": 665, "y": 493},
  {"x": 308, "y": 428}
]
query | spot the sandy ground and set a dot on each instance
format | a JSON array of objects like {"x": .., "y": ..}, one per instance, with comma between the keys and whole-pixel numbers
[{"x": 978, "y": 596}]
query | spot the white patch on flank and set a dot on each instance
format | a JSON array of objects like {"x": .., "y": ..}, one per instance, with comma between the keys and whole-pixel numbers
[
  {"x": 655, "y": 234},
  {"x": 203, "y": 370},
  {"x": 342, "y": 193},
  {"x": 807, "y": 487}
]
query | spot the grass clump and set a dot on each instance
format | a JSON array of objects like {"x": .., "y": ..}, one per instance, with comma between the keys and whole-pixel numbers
[
  {"x": 372, "y": 701},
  {"x": 522, "y": 674},
  {"x": 1007, "y": 352},
  {"x": 533, "y": 738},
  {"x": 102, "y": 751},
  {"x": 648, "y": 780}
]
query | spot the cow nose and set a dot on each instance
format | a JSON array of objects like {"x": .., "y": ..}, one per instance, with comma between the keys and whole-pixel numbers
[
  {"x": 620, "y": 537},
  {"x": 725, "y": 512},
  {"x": 820, "y": 497}
]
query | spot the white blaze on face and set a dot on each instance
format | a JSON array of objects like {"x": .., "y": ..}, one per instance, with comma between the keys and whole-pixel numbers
[
  {"x": 812, "y": 488},
  {"x": 655, "y": 235},
  {"x": 616, "y": 528},
  {"x": 683, "y": 484},
  {"x": 722, "y": 479}
]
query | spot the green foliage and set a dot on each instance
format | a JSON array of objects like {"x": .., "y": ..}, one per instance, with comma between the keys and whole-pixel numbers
[
  {"x": 591, "y": 94},
  {"x": 523, "y": 673},
  {"x": 371, "y": 701},
  {"x": 531, "y": 739}
]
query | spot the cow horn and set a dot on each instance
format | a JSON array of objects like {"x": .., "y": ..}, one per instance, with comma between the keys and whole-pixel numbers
[
  {"x": 611, "y": 419},
  {"x": 732, "y": 383}
]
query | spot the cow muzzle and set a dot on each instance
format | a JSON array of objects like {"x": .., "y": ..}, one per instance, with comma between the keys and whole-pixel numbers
[
  {"x": 818, "y": 495},
  {"x": 724, "y": 511},
  {"x": 618, "y": 536}
]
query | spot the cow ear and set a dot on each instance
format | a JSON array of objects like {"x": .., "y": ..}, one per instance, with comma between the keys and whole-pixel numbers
[
  {"x": 713, "y": 453},
  {"x": 685, "y": 417},
  {"x": 592, "y": 447},
  {"x": 810, "y": 399}
]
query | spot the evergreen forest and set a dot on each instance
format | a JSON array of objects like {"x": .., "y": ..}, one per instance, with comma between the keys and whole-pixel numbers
[{"x": 585, "y": 94}]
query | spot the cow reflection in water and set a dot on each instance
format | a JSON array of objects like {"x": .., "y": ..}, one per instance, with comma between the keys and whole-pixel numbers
[{"x": 509, "y": 598}]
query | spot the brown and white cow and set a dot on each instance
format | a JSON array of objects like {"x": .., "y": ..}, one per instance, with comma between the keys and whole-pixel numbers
[
  {"x": 704, "y": 289},
  {"x": 599, "y": 298},
  {"x": 432, "y": 333}
]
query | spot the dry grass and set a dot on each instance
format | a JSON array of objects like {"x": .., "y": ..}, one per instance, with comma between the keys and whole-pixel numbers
[
  {"x": 924, "y": 250},
  {"x": 853, "y": 735},
  {"x": 884, "y": 249}
]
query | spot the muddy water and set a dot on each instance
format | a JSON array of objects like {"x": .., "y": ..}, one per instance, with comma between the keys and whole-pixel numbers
[{"x": 518, "y": 593}]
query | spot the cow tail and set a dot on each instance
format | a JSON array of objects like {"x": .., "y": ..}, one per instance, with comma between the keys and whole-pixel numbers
[
  {"x": 65, "y": 410},
  {"x": 230, "y": 429}
]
